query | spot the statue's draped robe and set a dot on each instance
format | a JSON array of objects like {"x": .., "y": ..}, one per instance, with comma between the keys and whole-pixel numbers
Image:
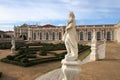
[{"x": 71, "y": 40}]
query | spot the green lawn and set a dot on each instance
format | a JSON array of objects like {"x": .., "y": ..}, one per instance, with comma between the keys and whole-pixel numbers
[{"x": 84, "y": 54}]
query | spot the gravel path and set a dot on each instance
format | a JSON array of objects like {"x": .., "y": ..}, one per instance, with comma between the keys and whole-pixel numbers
[
  {"x": 107, "y": 69},
  {"x": 13, "y": 72}
]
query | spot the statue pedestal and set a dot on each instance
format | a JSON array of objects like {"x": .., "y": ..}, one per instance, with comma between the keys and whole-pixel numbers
[
  {"x": 93, "y": 52},
  {"x": 12, "y": 50},
  {"x": 70, "y": 70},
  {"x": 101, "y": 51}
]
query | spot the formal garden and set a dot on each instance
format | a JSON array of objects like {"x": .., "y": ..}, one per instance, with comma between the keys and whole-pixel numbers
[{"x": 28, "y": 54}]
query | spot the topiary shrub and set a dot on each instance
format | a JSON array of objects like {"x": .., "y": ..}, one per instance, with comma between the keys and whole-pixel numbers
[
  {"x": 31, "y": 56},
  {"x": 24, "y": 60},
  {"x": 9, "y": 57},
  {"x": 5, "y": 45},
  {"x": 43, "y": 53},
  {"x": 18, "y": 58}
]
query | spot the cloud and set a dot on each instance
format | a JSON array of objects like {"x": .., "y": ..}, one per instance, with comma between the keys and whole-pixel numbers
[
  {"x": 56, "y": 11},
  {"x": 7, "y": 27}
]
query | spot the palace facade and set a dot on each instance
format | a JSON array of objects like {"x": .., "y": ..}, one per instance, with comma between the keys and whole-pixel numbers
[
  {"x": 48, "y": 33},
  {"x": 5, "y": 35}
]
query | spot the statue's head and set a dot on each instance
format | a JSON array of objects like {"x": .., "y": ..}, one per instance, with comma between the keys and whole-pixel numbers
[{"x": 71, "y": 14}]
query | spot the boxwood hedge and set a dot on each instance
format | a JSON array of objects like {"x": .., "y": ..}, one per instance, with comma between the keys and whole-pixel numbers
[{"x": 26, "y": 55}]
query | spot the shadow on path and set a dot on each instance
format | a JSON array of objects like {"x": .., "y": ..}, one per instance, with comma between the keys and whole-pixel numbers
[
  {"x": 109, "y": 60},
  {"x": 6, "y": 77}
]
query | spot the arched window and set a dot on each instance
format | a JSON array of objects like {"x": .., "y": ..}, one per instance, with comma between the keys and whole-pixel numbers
[
  {"x": 81, "y": 35},
  {"x": 40, "y": 36},
  {"x": 47, "y": 36},
  {"x": 89, "y": 35},
  {"x": 108, "y": 36},
  {"x": 60, "y": 36},
  {"x": 34, "y": 36},
  {"x": 98, "y": 36}
]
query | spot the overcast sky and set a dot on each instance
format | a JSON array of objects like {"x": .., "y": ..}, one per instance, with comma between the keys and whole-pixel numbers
[{"x": 17, "y": 12}]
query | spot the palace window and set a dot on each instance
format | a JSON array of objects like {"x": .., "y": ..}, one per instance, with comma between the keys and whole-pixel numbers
[
  {"x": 47, "y": 36},
  {"x": 108, "y": 36},
  {"x": 60, "y": 36},
  {"x": 81, "y": 35},
  {"x": 34, "y": 36},
  {"x": 40, "y": 36},
  {"x": 89, "y": 35},
  {"x": 98, "y": 36}
]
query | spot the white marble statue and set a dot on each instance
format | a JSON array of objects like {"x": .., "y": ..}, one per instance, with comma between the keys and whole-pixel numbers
[
  {"x": 70, "y": 39},
  {"x": 93, "y": 47},
  {"x": 13, "y": 45}
]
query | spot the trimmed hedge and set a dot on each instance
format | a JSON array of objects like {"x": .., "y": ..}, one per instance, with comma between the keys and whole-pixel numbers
[
  {"x": 7, "y": 45},
  {"x": 25, "y": 62},
  {"x": 26, "y": 55},
  {"x": 43, "y": 53},
  {"x": 10, "y": 57}
]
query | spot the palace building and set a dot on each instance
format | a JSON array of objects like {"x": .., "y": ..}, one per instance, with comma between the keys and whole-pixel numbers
[
  {"x": 48, "y": 33},
  {"x": 5, "y": 35}
]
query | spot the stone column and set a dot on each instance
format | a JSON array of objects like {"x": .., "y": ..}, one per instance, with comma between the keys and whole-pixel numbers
[
  {"x": 111, "y": 36},
  {"x": 42, "y": 33},
  {"x": 101, "y": 36},
  {"x": 118, "y": 35},
  {"x": 78, "y": 35},
  {"x": 55, "y": 35},
  {"x": 29, "y": 34},
  {"x": 20, "y": 31},
  {"x": 2, "y": 37},
  {"x": 50, "y": 35},
  {"x": 33, "y": 35},
  {"x": 106, "y": 35},
  {"x": 84, "y": 35},
  {"x": 37, "y": 35}
]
